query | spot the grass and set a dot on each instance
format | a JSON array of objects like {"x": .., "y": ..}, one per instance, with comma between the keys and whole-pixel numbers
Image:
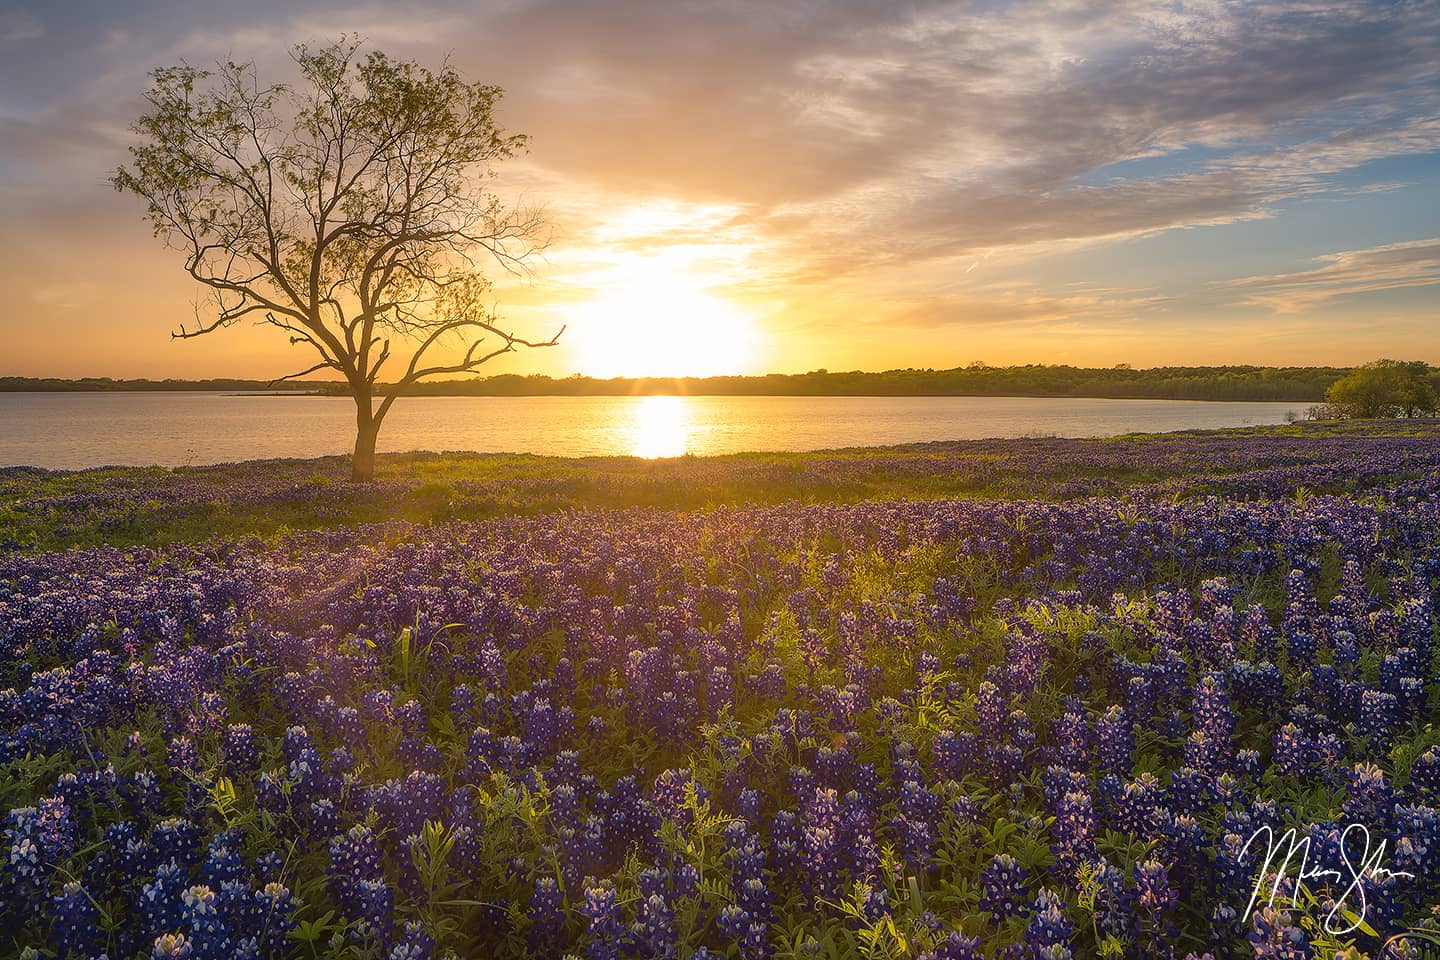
[{"x": 132, "y": 506}]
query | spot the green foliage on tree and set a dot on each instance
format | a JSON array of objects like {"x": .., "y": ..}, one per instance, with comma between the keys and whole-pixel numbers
[{"x": 1384, "y": 389}]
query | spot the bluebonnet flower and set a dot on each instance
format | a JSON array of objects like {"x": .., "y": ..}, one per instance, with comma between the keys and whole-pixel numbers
[
  {"x": 1190, "y": 791},
  {"x": 1074, "y": 833},
  {"x": 159, "y": 900},
  {"x": 546, "y": 932},
  {"x": 239, "y": 749},
  {"x": 1072, "y": 737},
  {"x": 1153, "y": 893},
  {"x": 374, "y": 906},
  {"x": 268, "y": 865},
  {"x": 1294, "y": 753},
  {"x": 176, "y": 839},
  {"x": 1115, "y": 742},
  {"x": 55, "y": 829},
  {"x": 604, "y": 923},
  {"x": 275, "y": 913},
  {"x": 1003, "y": 890},
  {"x": 171, "y": 946},
  {"x": 181, "y": 755},
  {"x": 1379, "y": 712},
  {"x": 208, "y": 935},
  {"x": 221, "y": 863},
  {"x": 991, "y": 713},
  {"x": 75, "y": 922},
  {"x": 1137, "y": 807},
  {"x": 875, "y": 905},
  {"x": 669, "y": 796},
  {"x": 956, "y": 946},
  {"x": 1417, "y": 847},
  {"x": 27, "y": 869},
  {"x": 354, "y": 858},
  {"x": 820, "y": 844},
  {"x": 1208, "y": 749},
  {"x": 1049, "y": 928},
  {"x": 404, "y": 806},
  {"x": 414, "y": 944},
  {"x": 1005, "y": 764},
  {"x": 653, "y": 933},
  {"x": 1274, "y": 937},
  {"x": 1369, "y": 797}
]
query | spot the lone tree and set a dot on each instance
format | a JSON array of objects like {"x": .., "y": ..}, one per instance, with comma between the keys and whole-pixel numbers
[
  {"x": 346, "y": 210},
  {"x": 1385, "y": 388}
]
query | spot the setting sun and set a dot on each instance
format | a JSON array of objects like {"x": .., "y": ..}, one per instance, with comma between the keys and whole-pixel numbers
[{"x": 665, "y": 327}]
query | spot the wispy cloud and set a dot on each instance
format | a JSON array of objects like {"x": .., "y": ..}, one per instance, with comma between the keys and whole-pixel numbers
[
  {"x": 1391, "y": 266},
  {"x": 1020, "y": 305},
  {"x": 17, "y": 26}
]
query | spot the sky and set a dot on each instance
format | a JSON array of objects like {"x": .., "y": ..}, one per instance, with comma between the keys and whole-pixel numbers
[{"x": 756, "y": 185}]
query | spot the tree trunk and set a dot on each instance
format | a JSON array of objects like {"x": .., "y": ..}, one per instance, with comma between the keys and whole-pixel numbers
[{"x": 362, "y": 463}]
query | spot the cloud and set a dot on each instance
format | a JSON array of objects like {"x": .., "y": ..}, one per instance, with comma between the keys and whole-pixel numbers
[
  {"x": 1391, "y": 266},
  {"x": 17, "y": 26},
  {"x": 1284, "y": 101},
  {"x": 968, "y": 125},
  {"x": 1017, "y": 304},
  {"x": 812, "y": 152}
]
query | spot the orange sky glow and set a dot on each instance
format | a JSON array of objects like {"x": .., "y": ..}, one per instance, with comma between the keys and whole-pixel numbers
[{"x": 849, "y": 186}]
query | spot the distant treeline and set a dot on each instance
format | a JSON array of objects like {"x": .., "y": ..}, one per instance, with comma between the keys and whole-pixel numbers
[
  {"x": 1294, "y": 384},
  {"x": 98, "y": 384},
  {"x": 1297, "y": 384}
]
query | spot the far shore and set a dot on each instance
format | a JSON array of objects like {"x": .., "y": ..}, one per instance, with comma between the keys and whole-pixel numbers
[{"x": 1122, "y": 382}]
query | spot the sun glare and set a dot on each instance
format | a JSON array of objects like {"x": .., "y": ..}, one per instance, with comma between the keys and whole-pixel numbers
[
  {"x": 663, "y": 327},
  {"x": 660, "y": 427}
]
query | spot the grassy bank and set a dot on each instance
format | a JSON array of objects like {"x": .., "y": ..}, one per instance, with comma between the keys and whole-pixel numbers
[{"x": 126, "y": 506}]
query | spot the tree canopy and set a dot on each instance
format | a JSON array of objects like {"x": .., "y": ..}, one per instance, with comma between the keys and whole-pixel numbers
[
  {"x": 347, "y": 209},
  {"x": 1385, "y": 388}
]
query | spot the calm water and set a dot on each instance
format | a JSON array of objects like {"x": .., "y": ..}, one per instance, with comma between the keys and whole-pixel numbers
[{"x": 71, "y": 430}]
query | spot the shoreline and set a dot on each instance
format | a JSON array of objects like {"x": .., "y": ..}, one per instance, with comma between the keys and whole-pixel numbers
[
  {"x": 206, "y": 428},
  {"x": 1372, "y": 428},
  {"x": 617, "y": 395},
  {"x": 1377, "y": 429},
  {"x": 43, "y": 510}
]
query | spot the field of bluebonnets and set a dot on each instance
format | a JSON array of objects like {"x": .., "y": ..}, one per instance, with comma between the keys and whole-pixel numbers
[{"x": 1000, "y": 699}]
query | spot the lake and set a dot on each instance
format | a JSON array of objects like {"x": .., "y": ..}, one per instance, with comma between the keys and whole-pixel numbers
[{"x": 74, "y": 430}]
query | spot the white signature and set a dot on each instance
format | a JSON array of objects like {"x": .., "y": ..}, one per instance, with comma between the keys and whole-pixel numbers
[{"x": 1369, "y": 865}]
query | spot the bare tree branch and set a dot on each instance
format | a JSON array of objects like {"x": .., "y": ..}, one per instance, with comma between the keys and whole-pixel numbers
[
  {"x": 470, "y": 361},
  {"x": 294, "y": 376}
]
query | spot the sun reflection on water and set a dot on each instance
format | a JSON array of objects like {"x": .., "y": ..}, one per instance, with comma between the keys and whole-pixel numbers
[{"x": 660, "y": 427}]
